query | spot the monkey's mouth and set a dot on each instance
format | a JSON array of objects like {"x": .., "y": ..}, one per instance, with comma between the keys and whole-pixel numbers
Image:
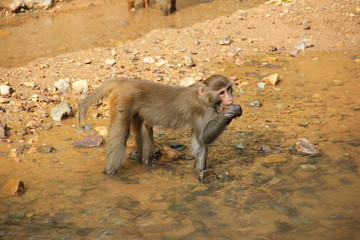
[{"x": 227, "y": 106}]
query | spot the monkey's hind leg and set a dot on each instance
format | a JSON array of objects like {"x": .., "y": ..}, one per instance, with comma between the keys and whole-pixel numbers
[
  {"x": 146, "y": 3},
  {"x": 148, "y": 144},
  {"x": 119, "y": 133},
  {"x": 144, "y": 139},
  {"x": 131, "y": 5}
]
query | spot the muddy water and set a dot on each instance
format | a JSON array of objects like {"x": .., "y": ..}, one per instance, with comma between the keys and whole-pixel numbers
[
  {"x": 107, "y": 24},
  {"x": 68, "y": 197}
]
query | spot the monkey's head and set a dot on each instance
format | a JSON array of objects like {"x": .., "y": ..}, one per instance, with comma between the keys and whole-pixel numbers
[{"x": 217, "y": 91}]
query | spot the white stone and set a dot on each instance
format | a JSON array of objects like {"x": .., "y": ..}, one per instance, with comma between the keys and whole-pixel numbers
[
  {"x": 110, "y": 62},
  {"x": 187, "y": 81},
  {"x": 149, "y": 60},
  {"x": 80, "y": 86},
  {"x": 5, "y": 90}
]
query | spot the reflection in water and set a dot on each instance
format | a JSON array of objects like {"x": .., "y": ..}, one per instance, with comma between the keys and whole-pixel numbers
[
  {"x": 104, "y": 25},
  {"x": 68, "y": 197}
]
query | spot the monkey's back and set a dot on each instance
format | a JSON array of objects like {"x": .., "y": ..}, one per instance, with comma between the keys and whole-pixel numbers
[{"x": 169, "y": 106}]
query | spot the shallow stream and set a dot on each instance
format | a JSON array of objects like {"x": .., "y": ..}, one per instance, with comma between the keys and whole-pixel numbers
[
  {"x": 68, "y": 197},
  {"x": 107, "y": 24}
]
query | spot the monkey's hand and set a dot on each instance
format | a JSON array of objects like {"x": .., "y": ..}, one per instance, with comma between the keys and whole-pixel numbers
[
  {"x": 233, "y": 112},
  {"x": 218, "y": 124}
]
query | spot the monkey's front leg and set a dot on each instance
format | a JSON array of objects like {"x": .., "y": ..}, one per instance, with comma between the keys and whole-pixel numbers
[
  {"x": 216, "y": 126},
  {"x": 199, "y": 151},
  {"x": 211, "y": 131}
]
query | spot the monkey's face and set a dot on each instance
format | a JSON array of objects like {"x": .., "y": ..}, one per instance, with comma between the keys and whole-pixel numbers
[{"x": 225, "y": 98}]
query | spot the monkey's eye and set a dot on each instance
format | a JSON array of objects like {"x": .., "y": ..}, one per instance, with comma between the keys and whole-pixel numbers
[{"x": 222, "y": 93}]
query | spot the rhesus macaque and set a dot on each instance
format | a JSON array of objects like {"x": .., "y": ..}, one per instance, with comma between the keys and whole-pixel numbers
[
  {"x": 131, "y": 4},
  {"x": 205, "y": 107},
  {"x": 163, "y": 6}
]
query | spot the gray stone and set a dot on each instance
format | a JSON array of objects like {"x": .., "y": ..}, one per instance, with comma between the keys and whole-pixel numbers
[
  {"x": 89, "y": 141},
  {"x": 304, "y": 146},
  {"x": 225, "y": 40},
  {"x": 60, "y": 111},
  {"x": 301, "y": 45},
  {"x": 62, "y": 84},
  {"x": 188, "y": 61}
]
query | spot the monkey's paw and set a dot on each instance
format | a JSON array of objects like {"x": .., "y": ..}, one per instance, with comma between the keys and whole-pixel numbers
[{"x": 234, "y": 111}]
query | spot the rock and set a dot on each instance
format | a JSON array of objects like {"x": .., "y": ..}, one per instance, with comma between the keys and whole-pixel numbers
[
  {"x": 256, "y": 104},
  {"x": 89, "y": 141},
  {"x": 102, "y": 130},
  {"x": 29, "y": 84},
  {"x": 14, "y": 187},
  {"x": 188, "y": 61},
  {"x": 160, "y": 62},
  {"x": 185, "y": 82},
  {"x": 294, "y": 53},
  {"x": 30, "y": 4},
  {"x": 149, "y": 60},
  {"x": 265, "y": 149},
  {"x": 275, "y": 159},
  {"x": 62, "y": 84},
  {"x": 41, "y": 98},
  {"x": 5, "y": 90},
  {"x": 3, "y": 133},
  {"x": 87, "y": 61},
  {"x": 239, "y": 62},
  {"x": 60, "y": 111},
  {"x": 272, "y": 79},
  {"x": 308, "y": 167},
  {"x": 240, "y": 146},
  {"x": 225, "y": 40},
  {"x": 177, "y": 146},
  {"x": 113, "y": 52},
  {"x": 261, "y": 85},
  {"x": 110, "y": 62},
  {"x": 242, "y": 14},
  {"x": 304, "y": 146},
  {"x": 4, "y": 100},
  {"x": 207, "y": 175},
  {"x": 80, "y": 87},
  {"x": 169, "y": 154},
  {"x": 46, "y": 149},
  {"x": 301, "y": 45}
]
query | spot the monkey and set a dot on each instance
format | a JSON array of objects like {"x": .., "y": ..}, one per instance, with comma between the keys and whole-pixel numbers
[
  {"x": 205, "y": 107},
  {"x": 164, "y": 7},
  {"x": 162, "y": 3},
  {"x": 131, "y": 4}
]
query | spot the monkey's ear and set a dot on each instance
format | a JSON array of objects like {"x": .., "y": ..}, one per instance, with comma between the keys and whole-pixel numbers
[{"x": 202, "y": 90}]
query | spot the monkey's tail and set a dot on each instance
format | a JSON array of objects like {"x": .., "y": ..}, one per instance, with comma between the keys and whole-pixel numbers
[{"x": 99, "y": 94}]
